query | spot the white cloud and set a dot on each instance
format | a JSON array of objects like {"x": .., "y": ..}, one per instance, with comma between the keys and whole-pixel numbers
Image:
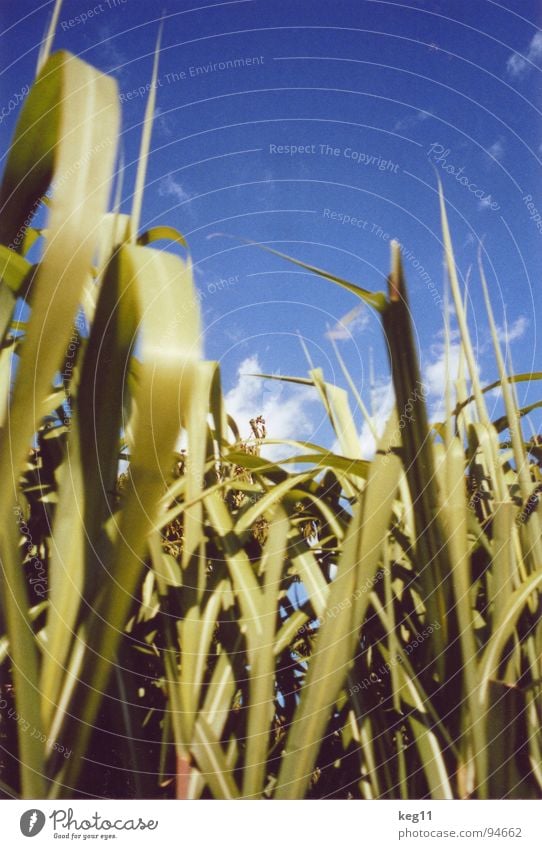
[
  {"x": 112, "y": 58},
  {"x": 518, "y": 65},
  {"x": 496, "y": 150},
  {"x": 382, "y": 403},
  {"x": 284, "y": 406},
  {"x": 353, "y": 322},
  {"x": 486, "y": 202},
  {"x": 163, "y": 121},
  {"x": 437, "y": 372},
  {"x": 235, "y": 333},
  {"x": 170, "y": 186},
  {"x": 434, "y": 377},
  {"x": 411, "y": 120},
  {"x": 513, "y": 332}
]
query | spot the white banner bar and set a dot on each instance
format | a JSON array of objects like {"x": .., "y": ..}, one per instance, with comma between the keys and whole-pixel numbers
[{"x": 272, "y": 825}]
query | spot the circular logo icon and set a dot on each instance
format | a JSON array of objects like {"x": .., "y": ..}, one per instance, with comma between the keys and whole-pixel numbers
[{"x": 32, "y": 822}]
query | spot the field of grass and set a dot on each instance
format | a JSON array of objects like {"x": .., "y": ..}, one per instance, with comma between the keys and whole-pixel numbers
[{"x": 210, "y": 624}]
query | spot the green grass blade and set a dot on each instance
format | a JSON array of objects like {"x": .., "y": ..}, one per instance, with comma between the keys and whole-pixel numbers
[
  {"x": 377, "y": 300},
  {"x": 163, "y": 284},
  {"x": 143, "y": 157},
  {"x": 261, "y": 657},
  {"x": 338, "y": 635}
]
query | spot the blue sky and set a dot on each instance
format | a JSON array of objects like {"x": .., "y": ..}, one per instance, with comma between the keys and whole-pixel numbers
[{"x": 316, "y": 128}]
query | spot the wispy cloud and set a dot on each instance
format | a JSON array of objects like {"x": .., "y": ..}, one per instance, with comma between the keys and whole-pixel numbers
[
  {"x": 163, "y": 122},
  {"x": 112, "y": 58},
  {"x": 353, "y": 322},
  {"x": 383, "y": 400},
  {"x": 411, "y": 120},
  {"x": 496, "y": 150},
  {"x": 485, "y": 203},
  {"x": 283, "y": 406},
  {"x": 518, "y": 65},
  {"x": 169, "y": 186},
  {"x": 437, "y": 371},
  {"x": 513, "y": 332}
]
